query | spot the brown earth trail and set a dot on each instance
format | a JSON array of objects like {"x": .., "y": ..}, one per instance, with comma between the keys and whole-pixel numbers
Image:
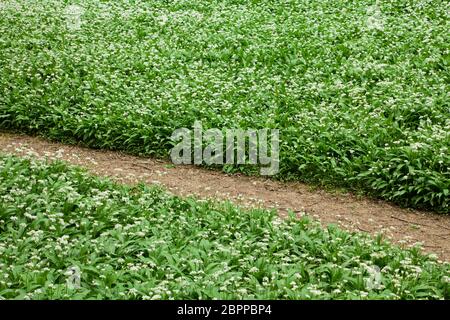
[{"x": 350, "y": 212}]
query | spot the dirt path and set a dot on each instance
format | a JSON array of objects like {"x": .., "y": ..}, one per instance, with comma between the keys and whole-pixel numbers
[{"x": 402, "y": 225}]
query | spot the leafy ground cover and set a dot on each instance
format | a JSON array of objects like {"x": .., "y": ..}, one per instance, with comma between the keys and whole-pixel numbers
[
  {"x": 143, "y": 243},
  {"x": 359, "y": 91}
]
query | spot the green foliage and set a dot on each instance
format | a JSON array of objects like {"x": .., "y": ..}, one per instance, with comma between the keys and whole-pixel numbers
[
  {"x": 361, "y": 107},
  {"x": 143, "y": 243}
]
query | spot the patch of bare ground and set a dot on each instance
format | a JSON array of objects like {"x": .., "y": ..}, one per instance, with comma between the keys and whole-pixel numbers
[{"x": 403, "y": 226}]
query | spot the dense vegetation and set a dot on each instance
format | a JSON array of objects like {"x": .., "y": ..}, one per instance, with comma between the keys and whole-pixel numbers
[
  {"x": 143, "y": 243},
  {"x": 359, "y": 91}
]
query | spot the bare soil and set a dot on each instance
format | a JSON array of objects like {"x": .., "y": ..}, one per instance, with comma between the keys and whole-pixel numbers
[{"x": 403, "y": 226}]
